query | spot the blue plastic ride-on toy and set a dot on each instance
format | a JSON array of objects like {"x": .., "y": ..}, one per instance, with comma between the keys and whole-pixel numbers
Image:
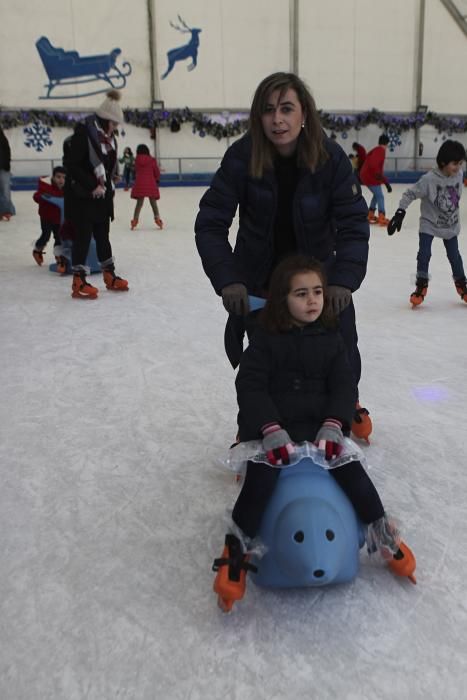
[{"x": 310, "y": 531}]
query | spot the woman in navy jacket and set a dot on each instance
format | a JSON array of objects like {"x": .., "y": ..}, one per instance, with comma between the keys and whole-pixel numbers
[{"x": 295, "y": 192}]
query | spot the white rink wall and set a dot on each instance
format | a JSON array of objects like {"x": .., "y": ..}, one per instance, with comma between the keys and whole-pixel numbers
[{"x": 355, "y": 55}]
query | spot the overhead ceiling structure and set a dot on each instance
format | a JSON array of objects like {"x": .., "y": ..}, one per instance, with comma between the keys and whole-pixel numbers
[{"x": 458, "y": 11}]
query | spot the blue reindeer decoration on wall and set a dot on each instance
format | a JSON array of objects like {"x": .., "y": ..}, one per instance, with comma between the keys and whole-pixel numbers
[{"x": 189, "y": 50}]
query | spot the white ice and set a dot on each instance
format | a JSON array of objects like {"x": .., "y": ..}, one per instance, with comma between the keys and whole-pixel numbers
[{"x": 113, "y": 416}]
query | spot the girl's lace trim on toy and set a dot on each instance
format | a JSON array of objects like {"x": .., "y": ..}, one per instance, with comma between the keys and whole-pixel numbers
[
  {"x": 238, "y": 455},
  {"x": 383, "y": 536}
]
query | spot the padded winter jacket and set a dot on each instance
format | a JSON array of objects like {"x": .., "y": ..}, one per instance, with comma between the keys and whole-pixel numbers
[
  {"x": 147, "y": 176},
  {"x": 81, "y": 181},
  {"x": 47, "y": 211},
  {"x": 329, "y": 214},
  {"x": 297, "y": 379},
  {"x": 371, "y": 172}
]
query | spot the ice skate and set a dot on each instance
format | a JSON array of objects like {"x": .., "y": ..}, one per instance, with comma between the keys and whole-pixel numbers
[
  {"x": 81, "y": 289},
  {"x": 382, "y": 220},
  {"x": 461, "y": 288},
  {"x": 113, "y": 282},
  {"x": 403, "y": 562},
  {"x": 38, "y": 256},
  {"x": 61, "y": 264},
  {"x": 421, "y": 289},
  {"x": 361, "y": 425},
  {"x": 159, "y": 223},
  {"x": 371, "y": 217},
  {"x": 231, "y": 568},
  {"x": 383, "y": 536},
  {"x": 133, "y": 224}
]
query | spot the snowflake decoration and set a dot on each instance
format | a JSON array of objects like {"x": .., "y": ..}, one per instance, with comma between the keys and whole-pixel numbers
[
  {"x": 37, "y": 136},
  {"x": 394, "y": 139}
]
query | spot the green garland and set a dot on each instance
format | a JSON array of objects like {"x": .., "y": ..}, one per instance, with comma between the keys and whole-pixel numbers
[{"x": 205, "y": 126}]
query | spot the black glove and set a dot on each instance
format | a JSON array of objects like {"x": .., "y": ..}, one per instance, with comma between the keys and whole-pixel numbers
[
  {"x": 338, "y": 298},
  {"x": 388, "y": 186},
  {"x": 235, "y": 299},
  {"x": 396, "y": 222}
]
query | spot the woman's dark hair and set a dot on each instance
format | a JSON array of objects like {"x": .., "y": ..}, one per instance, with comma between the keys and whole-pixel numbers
[
  {"x": 450, "y": 151},
  {"x": 142, "y": 150},
  {"x": 127, "y": 149},
  {"x": 311, "y": 151},
  {"x": 59, "y": 169},
  {"x": 276, "y": 316},
  {"x": 383, "y": 140}
]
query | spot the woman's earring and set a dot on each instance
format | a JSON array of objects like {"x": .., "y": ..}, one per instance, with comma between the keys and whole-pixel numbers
[{"x": 303, "y": 124}]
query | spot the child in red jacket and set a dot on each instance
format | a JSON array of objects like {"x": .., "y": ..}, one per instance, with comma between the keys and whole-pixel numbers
[
  {"x": 50, "y": 216},
  {"x": 372, "y": 175},
  {"x": 147, "y": 176}
]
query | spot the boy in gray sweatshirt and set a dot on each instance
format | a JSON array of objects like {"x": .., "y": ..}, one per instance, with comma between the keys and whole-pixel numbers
[{"x": 440, "y": 191}]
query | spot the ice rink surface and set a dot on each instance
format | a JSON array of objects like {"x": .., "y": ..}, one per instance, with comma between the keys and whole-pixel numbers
[{"x": 113, "y": 418}]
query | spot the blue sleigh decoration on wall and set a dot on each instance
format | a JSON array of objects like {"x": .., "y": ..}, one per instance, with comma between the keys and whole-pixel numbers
[{"x": 69, "y": 68}]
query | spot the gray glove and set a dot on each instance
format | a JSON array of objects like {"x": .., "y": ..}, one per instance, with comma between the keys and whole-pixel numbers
[
  {"x": 329, "y": 438},
  {"x": 277, "y": 444},
  {"x": 338, "y": 298},
  {"x": 235, "y": 299}
]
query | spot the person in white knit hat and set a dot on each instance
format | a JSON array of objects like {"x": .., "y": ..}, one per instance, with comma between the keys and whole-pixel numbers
[{"x": 91, "y": 163}]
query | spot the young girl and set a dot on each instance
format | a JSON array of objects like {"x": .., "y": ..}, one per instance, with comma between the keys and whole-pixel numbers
[
  {"x": 440, "y": 191},
  {"x": 128, "y": 161},
  {"x": 147, "y": 176},
  {"x": 295, "y": 384}
]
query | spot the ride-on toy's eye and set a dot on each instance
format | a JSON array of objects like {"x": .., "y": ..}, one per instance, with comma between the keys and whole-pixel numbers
[
  {"x": 330, "y": 535},
  {"x": 299, "y": 536}
]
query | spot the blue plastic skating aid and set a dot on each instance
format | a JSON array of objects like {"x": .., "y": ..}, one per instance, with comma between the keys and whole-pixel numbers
[
  {"x": 256, "y": 302},
  {"x": 91, "y": 261},
  {"x": 310, "y": 530}
]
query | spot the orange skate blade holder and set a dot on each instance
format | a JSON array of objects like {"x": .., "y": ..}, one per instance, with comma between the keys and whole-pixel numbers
[
  {"x": 225, "y": 604},
  {"x": 363, "y": 427},
  {"x": 406, "y": 566}
]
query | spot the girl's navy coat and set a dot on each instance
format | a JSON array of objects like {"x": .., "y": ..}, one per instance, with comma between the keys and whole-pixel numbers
[
  {"x": 297, "y": 379},
  {"x": 329, "y": 213}
]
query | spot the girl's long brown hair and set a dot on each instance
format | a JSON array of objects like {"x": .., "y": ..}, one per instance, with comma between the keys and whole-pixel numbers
[
  {"x": 310, "y": 149},
  {"x": 276, "y": 316}
]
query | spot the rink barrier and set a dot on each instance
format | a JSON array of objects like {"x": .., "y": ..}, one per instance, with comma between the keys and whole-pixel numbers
[{"x": 198, "y": 172}]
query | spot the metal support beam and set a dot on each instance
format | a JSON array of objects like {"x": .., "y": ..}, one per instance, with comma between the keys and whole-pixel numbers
[
  {"x": 457, "y": 16},
  {"x": 151, "y": 41},
  {"x": 419, "y": 74},
  {"x": 293, "y": 41}
]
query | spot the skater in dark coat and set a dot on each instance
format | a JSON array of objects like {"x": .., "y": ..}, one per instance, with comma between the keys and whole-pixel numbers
[
  {"x": 295, "y": 192},
  {"x": 295, "y": 384},
  {"x": 91, "y": 164}
]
